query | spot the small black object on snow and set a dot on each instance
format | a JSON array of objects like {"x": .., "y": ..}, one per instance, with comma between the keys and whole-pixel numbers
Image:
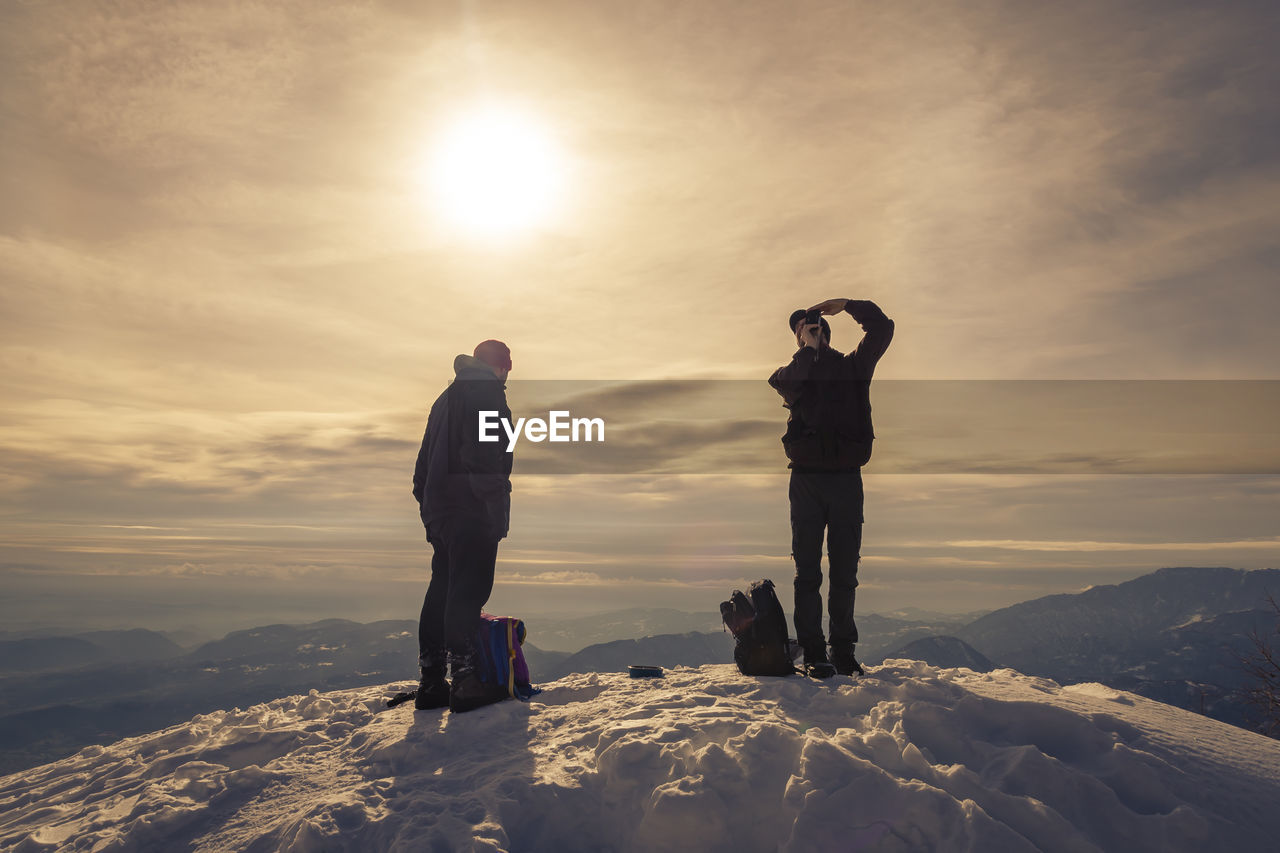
[{"x": 645, "y": 671}]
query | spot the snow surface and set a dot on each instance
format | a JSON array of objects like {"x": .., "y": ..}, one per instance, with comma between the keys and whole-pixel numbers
[{"x": 908, "y": 758}]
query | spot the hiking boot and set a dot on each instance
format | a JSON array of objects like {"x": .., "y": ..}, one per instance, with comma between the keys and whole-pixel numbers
[
  {"x": 468, "y": 692},
  {"x": 816, "y": 664},
  {"x": 844, "y": 661},
  {"x": 433, "y": 691}
]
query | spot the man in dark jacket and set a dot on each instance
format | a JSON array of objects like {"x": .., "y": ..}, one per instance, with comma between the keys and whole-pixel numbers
[
  {"x": 463, "y": 489},
  {"x": 828, "y": 440}
]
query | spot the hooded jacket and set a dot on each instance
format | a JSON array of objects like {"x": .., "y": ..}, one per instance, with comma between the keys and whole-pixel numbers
[
  {"x": 456, "y": 474},
  {"x": 829, "y": 396}
]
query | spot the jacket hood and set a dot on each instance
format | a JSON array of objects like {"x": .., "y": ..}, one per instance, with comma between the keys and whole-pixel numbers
[{"x": 469, "y": 365}]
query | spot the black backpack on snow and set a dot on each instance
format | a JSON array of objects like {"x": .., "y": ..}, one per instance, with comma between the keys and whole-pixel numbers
[{"x": 759, "y": 626}]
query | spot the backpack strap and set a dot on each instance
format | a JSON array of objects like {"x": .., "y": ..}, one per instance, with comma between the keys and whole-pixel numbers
[{"x": 511, "y": 659}]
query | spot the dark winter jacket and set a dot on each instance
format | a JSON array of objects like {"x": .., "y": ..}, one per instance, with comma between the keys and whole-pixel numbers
[
  {"x": 828, "y": 393},
  {"x": 457, "y": 474}
]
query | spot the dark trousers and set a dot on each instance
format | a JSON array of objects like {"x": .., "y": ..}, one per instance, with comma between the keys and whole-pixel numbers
[
  {"x": 462, "y": 567},
  {"x": 830, "y": 501}
]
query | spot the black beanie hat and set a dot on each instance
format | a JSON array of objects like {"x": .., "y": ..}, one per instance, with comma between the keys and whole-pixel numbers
[{"x": 798, "y": 315}]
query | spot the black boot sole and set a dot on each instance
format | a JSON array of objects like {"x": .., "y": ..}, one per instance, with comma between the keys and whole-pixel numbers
[{"x": 819, "y": 670}]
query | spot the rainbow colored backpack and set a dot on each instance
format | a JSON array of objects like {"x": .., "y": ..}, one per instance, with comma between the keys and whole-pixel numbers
[{"x": 499, "y": 658}]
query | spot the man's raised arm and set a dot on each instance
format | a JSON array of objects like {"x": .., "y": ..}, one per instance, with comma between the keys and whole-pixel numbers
[
  {"x": 878, "y": 331},
  {"x": 877, "y": 327}
]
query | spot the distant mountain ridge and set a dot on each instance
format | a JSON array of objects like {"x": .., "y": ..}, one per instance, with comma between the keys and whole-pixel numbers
[
  {"x": 575, "y": 634},
  {"x": 1068, "y": 637},
  {"x": 33, "y": 654},
  {"x": 1176, "y": 635}
]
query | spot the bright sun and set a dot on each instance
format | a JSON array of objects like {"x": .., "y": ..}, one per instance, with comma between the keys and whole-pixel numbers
[{"x": 495, "y": 170}]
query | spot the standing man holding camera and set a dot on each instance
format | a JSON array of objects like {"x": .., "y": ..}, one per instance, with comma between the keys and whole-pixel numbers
[{"x": 828, "y": 440}]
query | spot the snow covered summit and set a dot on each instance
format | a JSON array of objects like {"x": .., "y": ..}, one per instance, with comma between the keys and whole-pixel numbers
[{"x": 908, "y": 758}]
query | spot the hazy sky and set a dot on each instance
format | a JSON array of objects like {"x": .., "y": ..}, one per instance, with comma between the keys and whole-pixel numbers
[{"x": 228, "y": 298}]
